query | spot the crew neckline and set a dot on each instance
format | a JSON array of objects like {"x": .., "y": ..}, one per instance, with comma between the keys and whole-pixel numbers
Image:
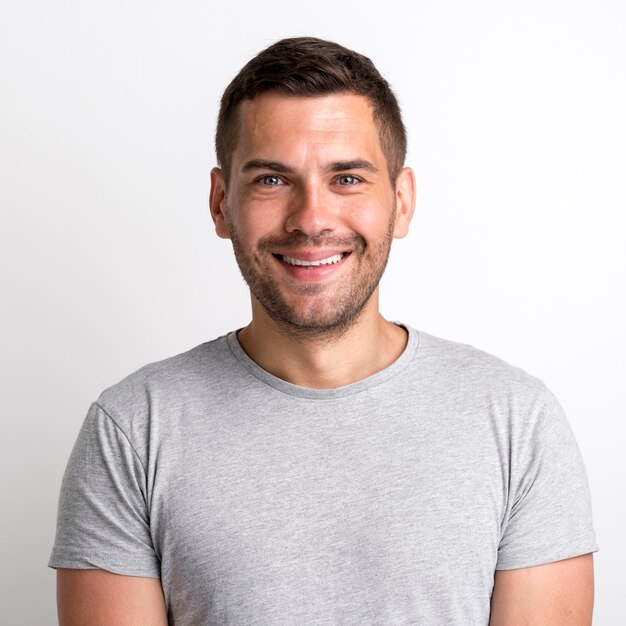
[{"x": 326, "y": 394}]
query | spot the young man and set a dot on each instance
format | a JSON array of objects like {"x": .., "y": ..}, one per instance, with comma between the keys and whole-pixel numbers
[{"x": 322, "y": 465}]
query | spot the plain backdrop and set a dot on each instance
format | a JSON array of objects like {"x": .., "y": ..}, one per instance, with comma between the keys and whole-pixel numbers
[{"x": 516, "y": 122}]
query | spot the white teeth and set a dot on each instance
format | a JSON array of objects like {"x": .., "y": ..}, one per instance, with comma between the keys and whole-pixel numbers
[{"x": 331, "y": 259}]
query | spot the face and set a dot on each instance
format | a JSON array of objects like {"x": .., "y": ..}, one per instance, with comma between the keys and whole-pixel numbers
[{"x": 310, "y": 209}]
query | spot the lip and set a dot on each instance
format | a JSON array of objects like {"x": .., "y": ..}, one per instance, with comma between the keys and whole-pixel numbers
[
  {"x": 312, "y": 255},
  {"x": 312, "y": 274}
]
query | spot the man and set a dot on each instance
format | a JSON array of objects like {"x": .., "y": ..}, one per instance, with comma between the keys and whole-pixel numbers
[{"x": 322, "y": 465}]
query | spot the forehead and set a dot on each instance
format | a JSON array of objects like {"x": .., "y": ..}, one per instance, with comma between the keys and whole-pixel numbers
[{"x": 331, "y": 125}]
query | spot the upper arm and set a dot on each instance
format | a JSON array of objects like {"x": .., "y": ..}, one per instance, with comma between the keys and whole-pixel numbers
[
  {"x": 554, "y": 594},
  {"x": 99, "y": 598}
]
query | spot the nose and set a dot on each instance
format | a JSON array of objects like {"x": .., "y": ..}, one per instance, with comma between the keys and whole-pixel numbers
[{"x": 311, "y": 212}]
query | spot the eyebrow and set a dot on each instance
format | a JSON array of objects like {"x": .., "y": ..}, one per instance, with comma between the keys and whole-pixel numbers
[
  {"x": 355, "y": 164},
  {"x": 260, "y": 164},
  {"x": 335, "y": 166}
]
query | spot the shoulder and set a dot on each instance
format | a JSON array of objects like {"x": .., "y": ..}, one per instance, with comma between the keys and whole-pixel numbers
[
  {"x": 470, "y": 373},
  {"x": 454, "y": 358},
  {"x": 476, "y": 388},
  {"x": 157, "y": 386}
]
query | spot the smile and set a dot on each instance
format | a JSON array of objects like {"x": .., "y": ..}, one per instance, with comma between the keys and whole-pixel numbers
[
  {"x": 331, "y": 260},
  {"x": 312, "y": 269}
]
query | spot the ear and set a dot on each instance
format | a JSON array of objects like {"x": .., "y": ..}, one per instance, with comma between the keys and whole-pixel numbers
[
  {"x": 217, "y": 203},
  {"x": 405, "y": 201}
]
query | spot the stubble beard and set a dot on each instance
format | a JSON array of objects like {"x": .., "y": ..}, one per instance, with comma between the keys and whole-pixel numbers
[{"x": 325, "y": 318}]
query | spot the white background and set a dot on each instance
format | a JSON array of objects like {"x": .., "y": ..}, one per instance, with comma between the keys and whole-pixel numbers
[{"x": 516, "y": 120}]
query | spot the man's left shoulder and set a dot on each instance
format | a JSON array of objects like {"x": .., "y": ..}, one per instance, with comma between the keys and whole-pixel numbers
[{"x": 462, "y": 365}]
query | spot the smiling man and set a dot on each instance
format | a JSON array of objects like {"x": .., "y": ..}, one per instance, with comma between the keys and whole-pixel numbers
[
  {"x": 322, "y": 465},
  {"x": 311, "y": 212}
]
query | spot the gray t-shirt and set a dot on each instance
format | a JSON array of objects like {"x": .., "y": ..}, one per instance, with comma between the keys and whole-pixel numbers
[{"x": 388, "y": 501}]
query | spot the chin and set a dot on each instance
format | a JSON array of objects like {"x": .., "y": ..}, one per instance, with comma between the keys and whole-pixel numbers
[{"x": 318, "y": 323}]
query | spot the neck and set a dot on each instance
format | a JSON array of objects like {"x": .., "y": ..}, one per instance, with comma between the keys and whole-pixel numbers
[{"x": 368, "y": 346}]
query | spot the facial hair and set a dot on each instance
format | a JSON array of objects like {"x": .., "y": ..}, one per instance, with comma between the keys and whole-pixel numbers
[{"x": 325, "y": 315}]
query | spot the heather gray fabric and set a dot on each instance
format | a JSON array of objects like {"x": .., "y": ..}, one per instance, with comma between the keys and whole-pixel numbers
[{"x": 388, "y": 501}]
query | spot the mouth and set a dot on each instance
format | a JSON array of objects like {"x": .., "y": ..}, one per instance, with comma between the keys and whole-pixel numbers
[
  {"x": 293, "y": 261},
  {"x": 312, "y": 269}
]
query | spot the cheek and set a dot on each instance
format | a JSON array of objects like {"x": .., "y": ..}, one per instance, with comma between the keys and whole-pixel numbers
[
  {"x": 371, "y": 220},
  {"x": 257, "y": 223},
  {"x": 255, "y": 218}
]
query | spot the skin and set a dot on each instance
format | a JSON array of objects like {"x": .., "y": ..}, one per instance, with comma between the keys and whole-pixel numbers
[
  {"x": 554, "y": 594},
  {"x": 319, "y": 331},
  {"x": 96, "y": 597}
]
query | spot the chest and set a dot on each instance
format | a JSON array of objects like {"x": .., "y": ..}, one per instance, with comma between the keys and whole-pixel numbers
[{"x": 274, "y": 498}]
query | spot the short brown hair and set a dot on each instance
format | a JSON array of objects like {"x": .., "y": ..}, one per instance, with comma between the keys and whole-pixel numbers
[{"x": 307, "y": 66}]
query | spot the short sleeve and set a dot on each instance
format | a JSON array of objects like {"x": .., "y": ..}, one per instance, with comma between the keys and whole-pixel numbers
[
  {"x": 103, "y": 520},
  {"x": 549, "y": 516}
]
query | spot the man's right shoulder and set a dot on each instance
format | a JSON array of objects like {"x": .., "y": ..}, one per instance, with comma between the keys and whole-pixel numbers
[{"x": 174, "y": 380}]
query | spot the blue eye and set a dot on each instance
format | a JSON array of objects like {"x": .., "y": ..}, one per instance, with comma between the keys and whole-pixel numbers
[
  {"x": 270, "y": 180},
  {"x": 348, "y": 179}
]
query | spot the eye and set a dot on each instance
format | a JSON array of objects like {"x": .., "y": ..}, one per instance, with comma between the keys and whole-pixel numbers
[
  {"x": 348, "y": 180},
  {"x": 270, "y": 180}
]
